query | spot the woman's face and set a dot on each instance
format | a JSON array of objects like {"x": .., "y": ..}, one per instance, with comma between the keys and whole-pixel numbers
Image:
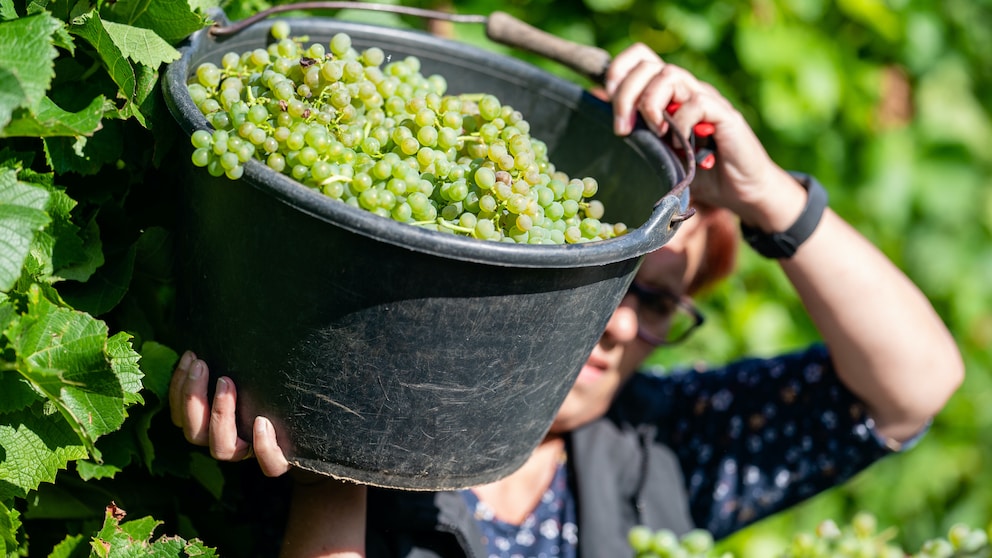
[{"x": 619, "y": 352}]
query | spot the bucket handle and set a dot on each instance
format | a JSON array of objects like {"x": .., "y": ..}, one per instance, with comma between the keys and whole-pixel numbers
[{"x": 505, "y": 29}]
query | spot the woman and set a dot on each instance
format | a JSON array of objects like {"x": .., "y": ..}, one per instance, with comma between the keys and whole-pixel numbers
[{"x": 716, "y": 450}]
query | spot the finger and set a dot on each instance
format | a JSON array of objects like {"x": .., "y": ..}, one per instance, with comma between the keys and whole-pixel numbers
[
  {"x": 626, "y": 61},
  {"x": 196, "y": 409},
  {"x": 270, "y": 457},
  {"x": 225, "y": 445},
  {"x": 176, "y": 388},
  {"x": 671, "y": 84},
  {"x": 628, "y": 92}
]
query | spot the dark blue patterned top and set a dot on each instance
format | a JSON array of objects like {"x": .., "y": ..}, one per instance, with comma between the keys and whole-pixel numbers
[
  {"x": 549, "y": 531},
  {"x": 752, "y": 438},
  {"x": 761, "y": 435}
]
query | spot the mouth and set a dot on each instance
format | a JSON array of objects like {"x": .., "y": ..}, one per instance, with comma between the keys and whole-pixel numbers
[{"x": 592, "y": 371}]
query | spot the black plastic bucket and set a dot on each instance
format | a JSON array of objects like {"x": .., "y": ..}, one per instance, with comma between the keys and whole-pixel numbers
[{"x": 393, "y": 355}]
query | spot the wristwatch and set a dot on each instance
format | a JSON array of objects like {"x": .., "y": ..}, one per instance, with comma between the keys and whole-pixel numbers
[{"x": 781, "y": 245}]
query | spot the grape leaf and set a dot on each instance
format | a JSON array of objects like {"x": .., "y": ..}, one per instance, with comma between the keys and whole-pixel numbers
[
  {"x": 157, "y": 364},
  {"x": 146, "y": 83},
  {"x": 70, "y": 547},
  {"x": 62, "y": 250},
  {"x": 77, "y": 256},
  {"x": 90, "y": 28},
  {"x": 106, "y": 287},
  {"x": 7, "y": 10},
  {"x": 124, "y": 363},
  {"x": 141, "y": 45},
  {"x": 17, "y": 393},
  {"x": 133, "y": 538},
  {"x": 21, "y": 216},
  {"x": 27, "y": 62},
  {"x": 10, "y": 522},
  {"x": 34, "y": 448},
  {"x": 86, "y": 155},
  {"x": 172, "y": 20},
  {"x": 67, "y": 357},
  {"x": 47, "y": 120}
]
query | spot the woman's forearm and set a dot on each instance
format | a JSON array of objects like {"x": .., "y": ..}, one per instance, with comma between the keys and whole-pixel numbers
[{"x": 887, "y": 342}]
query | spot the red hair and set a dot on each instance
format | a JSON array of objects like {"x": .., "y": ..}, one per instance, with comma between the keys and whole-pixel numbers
[{"x": 722, "y": 242}]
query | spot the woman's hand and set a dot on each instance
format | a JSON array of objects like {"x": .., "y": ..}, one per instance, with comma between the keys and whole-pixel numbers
[
  {"x": 327, "y": 516},
  {"x": 744, "y": 178},
  {"x": 214, "y": 425}
]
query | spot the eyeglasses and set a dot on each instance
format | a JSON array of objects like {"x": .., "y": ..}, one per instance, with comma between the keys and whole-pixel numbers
[{"x": 664, "y": 318}]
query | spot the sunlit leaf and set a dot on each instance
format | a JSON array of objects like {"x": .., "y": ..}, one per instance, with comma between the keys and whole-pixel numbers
[
  {"x": 21, "y": 216},
  {"x": 26, "y": 62}
]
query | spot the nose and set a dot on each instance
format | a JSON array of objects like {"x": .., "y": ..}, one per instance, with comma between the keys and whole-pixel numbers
[{"x": 622, "y": 326}]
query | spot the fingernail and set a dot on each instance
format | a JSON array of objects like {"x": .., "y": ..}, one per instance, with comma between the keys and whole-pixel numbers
[
  {"x": 620, "y": 126},
  {"x": 185, "y": 360},
  {"x": 221, "y": 385},
  {"x": 196, "y": 370},
  {"x": 261, "y": 426},
  {"x": 610, "y": 86}
]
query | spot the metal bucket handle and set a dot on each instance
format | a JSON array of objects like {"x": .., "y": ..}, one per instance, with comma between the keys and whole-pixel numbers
[{"x": 505, "y": 29}]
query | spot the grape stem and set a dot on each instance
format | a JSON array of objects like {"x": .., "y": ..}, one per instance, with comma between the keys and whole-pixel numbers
[
  {"x": 334, "y": 178},
  {"x": 449, "y": 225}
]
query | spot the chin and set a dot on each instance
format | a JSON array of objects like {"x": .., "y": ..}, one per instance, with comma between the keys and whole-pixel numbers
[{"x": 585, "y": 403}]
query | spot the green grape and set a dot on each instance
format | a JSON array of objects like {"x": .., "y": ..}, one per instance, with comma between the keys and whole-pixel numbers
[
  {"x": 485, "y": 178},
  {"x": 280, "y": 29},
  {"x": 373, "y": 56},
  {"x": 595, "y": 209},
  {"x": 230, "y": 60},
  {"x": 208, "y": 75},
  {"x": 864, "y": 525},
  {"x": 316, "y": 51},
  {"x": 201, "y": 156},
  {"x": 276, "y": 162},
  {"x": 385, "y": 138},
  {"x": 697, "y": 541},
  {"x": 489, "y": 107},
  {"x": 340, "y": 43},
  {"x": 201, "y": 139},
  {"x": 234, "y": 173},
  {"x": 260, "y": 57}
]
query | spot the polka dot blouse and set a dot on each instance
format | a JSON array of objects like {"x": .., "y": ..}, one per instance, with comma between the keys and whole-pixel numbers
[{"x": 752, "y": 438}]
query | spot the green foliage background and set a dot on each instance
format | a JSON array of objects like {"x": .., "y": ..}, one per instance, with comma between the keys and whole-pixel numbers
[{"x": 887, "y": 102}]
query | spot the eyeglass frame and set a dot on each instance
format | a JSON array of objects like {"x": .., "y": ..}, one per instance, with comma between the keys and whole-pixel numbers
[{"x": 648, "y": 297}]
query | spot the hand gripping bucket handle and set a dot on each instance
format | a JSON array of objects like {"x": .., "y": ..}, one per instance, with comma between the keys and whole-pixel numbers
[{"x": 505, "y": 29}]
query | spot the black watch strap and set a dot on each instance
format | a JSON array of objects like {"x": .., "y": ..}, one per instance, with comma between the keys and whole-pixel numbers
[{"x": 784, "y": 244}]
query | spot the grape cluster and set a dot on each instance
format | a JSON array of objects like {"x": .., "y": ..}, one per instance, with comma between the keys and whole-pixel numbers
[
  {"x": 860, "y": 539},
  {"x": 697, "y": 543},
  {"x": 380, "y": 136}
]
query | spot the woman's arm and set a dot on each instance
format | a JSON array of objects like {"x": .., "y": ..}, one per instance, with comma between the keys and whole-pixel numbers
[
  {"x": 888, "y": 344},
  {"x": 327, "y": 516}
]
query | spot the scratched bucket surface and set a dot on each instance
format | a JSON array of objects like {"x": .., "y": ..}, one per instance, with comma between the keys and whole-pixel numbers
[{"x": 393, "y": 355}]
